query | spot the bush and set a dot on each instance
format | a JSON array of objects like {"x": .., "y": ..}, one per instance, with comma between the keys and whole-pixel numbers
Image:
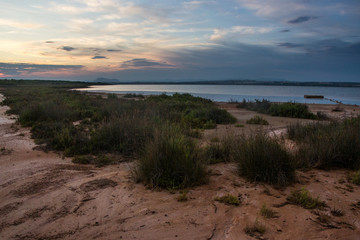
[
  {"x": 303, "y": 198},
  {"x": 221, "y": 151},
  {"x": 262, "y": 106},
  {"x": 229, "y": 200},
  {"x": 257, "y": 120},
  {"x": 332, "y": 145},
  {"x": 261, "y": 158},
  {"x": 288, "y": 109},
  {"x": 267, "y": 212},
  {"x": 355, "y": 178},
  {"x": 171, "y": 160},
  {"x": 124, "y": 134},
  {"x": 291, "y": 109}
]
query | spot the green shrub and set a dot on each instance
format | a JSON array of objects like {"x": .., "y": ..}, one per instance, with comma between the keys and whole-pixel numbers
[
  {"x": 267, "y": 212},
  {"x": 355, "y": 178},
  {"x": 82, "y": 159},
  {"x": 291, "y": 109},
  {"x": 125, "y": 134},
  {"x": 183, "y": 196},
  {"x": 257, "y": 120},
  {"x": 303, "y": 199},
  {"x": 228, "y": 199},
  {"x": 171, "y": 160},
  {"x": 332, "y": 145},
  {"x": 288, "y": 109},
  {"x": 261, "y": 158},
  {"x": 221, "y": 151},
  {"x": 262, "y": 106}
]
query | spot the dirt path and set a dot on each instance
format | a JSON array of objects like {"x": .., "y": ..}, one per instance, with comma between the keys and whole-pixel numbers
[{"x": 43, "y": 196}]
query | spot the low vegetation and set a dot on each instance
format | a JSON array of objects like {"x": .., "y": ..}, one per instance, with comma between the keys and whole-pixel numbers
[
  {"x": 331, "y": 145},
  {"x": 257, "y": 120},
  {"x": 228, "y": 199},
  {"x": 256, "y": 229},
  {"x": 171, "y": 160},
  {"x": 302, "y": 198},
  {"x": 183, "y": 196},
  {"x": 267, "y": 212},
  {"x": 355, "y": 178},
  {"x": 220, "y": 151},
  {"x": 264, "y": 159},
  {"x": 288, "y": 109}
]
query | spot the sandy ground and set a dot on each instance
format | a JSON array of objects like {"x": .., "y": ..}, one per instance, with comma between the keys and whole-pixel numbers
[{"x": 43, "y": 196}]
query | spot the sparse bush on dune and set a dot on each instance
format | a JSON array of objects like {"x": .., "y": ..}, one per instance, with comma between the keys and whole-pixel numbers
[
  {"x": 220, "y": 151},
  {"x": 257, "y": 120},
  {"x": 331, "y": 145},
  {"x": 126, "y": 134},
  {"x": 171, "y": 160},
  {"x": 261, "y": 158},
  {"x": 287, "y": 109},
  {"x": 304, "y": 199}
]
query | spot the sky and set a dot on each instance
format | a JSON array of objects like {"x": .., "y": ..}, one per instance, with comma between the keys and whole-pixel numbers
[{"x": 171, "y": 40}]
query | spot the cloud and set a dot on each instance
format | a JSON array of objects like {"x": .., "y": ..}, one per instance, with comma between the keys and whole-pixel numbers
[
  {"x": 113, "y": 50},
  {"x": 143, "y": 62},
  {"x": 290, "y": 45},
  {"x": 67, "y": 48},
  {"x": 220, "y": 34},
  {"x": 49, "y": 42},
  {"x": 16, "y": 24},
  {"x": 302, "y": 19},
  {"x": 99, "y": 57},
  {"x": 15, "y": 69},
  {"x": 285, "y": 30}
]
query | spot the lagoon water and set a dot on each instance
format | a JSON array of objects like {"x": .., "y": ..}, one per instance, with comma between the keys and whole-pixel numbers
[{"x": 225, "y": 93}]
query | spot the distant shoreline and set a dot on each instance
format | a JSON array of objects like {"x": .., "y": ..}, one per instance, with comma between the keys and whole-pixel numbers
[{"x": 234, "y": 82}]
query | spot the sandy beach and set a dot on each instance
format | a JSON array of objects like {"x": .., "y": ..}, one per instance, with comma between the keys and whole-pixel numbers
[{"x": 45, "y": 196}]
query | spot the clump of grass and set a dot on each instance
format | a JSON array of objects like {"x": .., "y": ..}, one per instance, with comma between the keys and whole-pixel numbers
[
  {"x": 337, "y": 212},
  {"x": 228, "y": 199},
  {"x": 288, "y": 109},
  {"x": 257, "y": 120},
  {"x": 291, "y": 109},
  {"x": 257, "y": 105},
  {"x": 332, "y": 145},
  {"x": 183, "y": 196},
  {"x": 171, "y": 160},
  {"x": 217, "y": 152},
  {"x": 355, "y": 178},
  {"x": 302, "y": 198},
  {"x": 267, "y": 212},
  {"x": 261, "y": 158},
  {"x": 256, "y": 228}
]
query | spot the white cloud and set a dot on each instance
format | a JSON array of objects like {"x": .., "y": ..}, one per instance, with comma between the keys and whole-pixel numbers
[
  {"x": 16, "y": 24},
  {"x": 220, "y": 34},
  {"x": 274, "y": 8}
]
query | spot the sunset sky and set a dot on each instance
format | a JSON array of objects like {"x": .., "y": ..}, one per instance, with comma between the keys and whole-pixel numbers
[{"x": 295, "y": 40}]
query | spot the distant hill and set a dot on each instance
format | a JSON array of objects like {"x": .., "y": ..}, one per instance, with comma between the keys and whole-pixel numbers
[
  {"x": 107, "y": 80},
  {"x": 237, "y": 82}
]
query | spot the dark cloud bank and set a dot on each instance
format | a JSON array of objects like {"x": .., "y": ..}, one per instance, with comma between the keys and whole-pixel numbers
[{"x": 302, "y": 19}]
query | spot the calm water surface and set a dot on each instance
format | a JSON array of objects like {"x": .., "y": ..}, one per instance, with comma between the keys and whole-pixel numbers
[{"x": 224, "y": 93}]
